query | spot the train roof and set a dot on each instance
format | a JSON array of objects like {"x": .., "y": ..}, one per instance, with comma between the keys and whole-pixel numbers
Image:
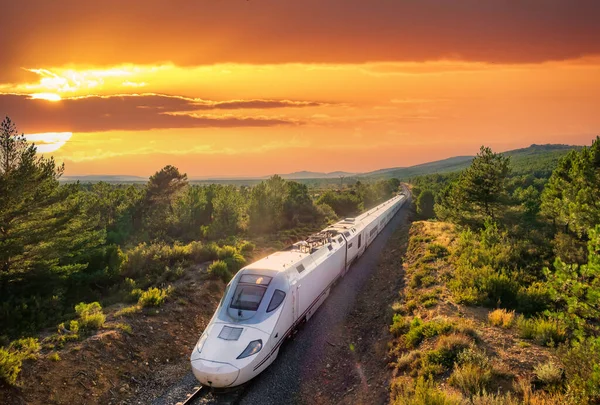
[{"x": 279, "y": 261}]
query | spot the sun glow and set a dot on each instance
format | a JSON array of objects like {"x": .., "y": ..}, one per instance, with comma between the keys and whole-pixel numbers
[
  {"x": 49, "y": 141},
  {"x": 46, "y": 96}
]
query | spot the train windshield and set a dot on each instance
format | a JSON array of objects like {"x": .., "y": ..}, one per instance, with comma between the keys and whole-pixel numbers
[{"x": 247, "y": 297}]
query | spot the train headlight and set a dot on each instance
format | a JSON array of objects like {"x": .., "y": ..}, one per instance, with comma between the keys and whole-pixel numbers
[
  {"x": 253, "y": 348},
  {"x": 201, "y": 342}
]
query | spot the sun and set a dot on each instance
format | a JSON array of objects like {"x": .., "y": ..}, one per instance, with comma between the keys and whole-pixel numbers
[
  {"x": 46, "y": 96},
  {"x": 49, "y": 141}
]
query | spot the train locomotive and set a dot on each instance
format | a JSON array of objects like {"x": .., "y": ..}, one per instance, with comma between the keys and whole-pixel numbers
[{"x": 266, "y": 300}]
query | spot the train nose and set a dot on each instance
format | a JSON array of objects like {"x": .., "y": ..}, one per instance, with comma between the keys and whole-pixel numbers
[{"x": 214, "y": 374}]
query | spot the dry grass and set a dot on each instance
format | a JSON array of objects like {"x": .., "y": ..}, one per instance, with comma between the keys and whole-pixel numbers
[{"x": 502, "y": 318}]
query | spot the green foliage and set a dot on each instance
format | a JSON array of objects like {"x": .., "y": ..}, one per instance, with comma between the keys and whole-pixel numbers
[
  {"x": 219, "y": 269},
  {"x": 10, "y": 365},
  {"x": 246, "y": 247},
  {"x": 480, "y": 192},
  {"x": 582, "y": 370},
  {"x": 543, "y": 331},
  {"x": 548, "y": 374},
  {"x": 421, "y": 392},
  {"x": 154, "y": 297},
  {"x": 11, "y": 358},
  {"x": 471, "y": 379},
  {"x": 399, "y": 325},
  {"x": 571, "y": 196},
  {"x": 420, "y": 330},
  {"x": 575, "y": 289},
  {"x": 228, "y": 212},
  {"x": 447, "y": 350},
  {"x": 90, "y": 315},
  {"x": 129, "y": 311},
  {"x": 54, "y": 357},
  {"x": 425, "y": 204},
  {"x": 437, "y": 250}
]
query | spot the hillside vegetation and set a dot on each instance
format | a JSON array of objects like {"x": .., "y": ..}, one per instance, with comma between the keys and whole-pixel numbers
[
  {"x": 502, "y": 303},
  {"x": 536, "y": 159}
]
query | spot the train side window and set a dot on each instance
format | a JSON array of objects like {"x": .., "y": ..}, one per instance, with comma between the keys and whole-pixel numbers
[
  {"x": 359, "y": 240},
  {"x": 349, "y": 245},
  {"x": 300, "y": 268},
  {"x": 278, "y": 297}
]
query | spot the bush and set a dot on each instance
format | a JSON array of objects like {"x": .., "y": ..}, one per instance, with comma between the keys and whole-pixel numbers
[
  {"x": 154, "y": 297},
  {"x": 11, "y": 358},
  {"x": 399, "y": 325},
  {"x": 542, "y": 330},
  {"x": 54, "y": 357},
  {"x": 447, "y": 350},
  {"x": 10, "y": 365},
  {"x": 501, "y": 317},
  {"x": 437, "y": 250},
  {"x": 235, "y": 262},
  {"x": 227, "y": 251},
  {"x": 218, "y": 269},
  {"x": 470, "y": 379},
  {"x": 582, "y": 370},
  {"x": 420, "y": 330},
  {"x": 421, "y": 278},
  {"x": 90, "y": 315},
  {"x": 548, "y": 374},
  {"x": 424, "y": 392},
  {"x": 246, "y": 247}
]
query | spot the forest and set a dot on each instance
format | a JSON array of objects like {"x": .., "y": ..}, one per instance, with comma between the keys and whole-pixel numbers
[
  {"x": 69, "y": 249},
  {"x": 528, "y": 246}
]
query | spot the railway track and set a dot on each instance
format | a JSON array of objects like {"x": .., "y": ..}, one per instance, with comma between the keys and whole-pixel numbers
[{"x": 209, "y": 396}]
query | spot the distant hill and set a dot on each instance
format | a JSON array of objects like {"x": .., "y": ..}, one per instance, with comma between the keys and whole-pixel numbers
[
  {"x": 533, "y": 159},
  {"x": 315, "y": 175},
  {"x": 104, "y": 178}
]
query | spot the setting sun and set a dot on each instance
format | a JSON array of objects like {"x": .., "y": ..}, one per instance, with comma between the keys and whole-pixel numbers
[{"x": 46, "y": 96}]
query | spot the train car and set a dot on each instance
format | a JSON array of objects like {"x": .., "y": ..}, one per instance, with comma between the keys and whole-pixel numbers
[{"x": 266, "y": 300}]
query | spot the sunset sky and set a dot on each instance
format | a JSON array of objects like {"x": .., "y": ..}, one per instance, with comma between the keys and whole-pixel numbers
[{"x": 244, "y": 88}]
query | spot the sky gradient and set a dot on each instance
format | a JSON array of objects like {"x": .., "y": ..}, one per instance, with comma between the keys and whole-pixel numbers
[{"x": 244, "y": 88}]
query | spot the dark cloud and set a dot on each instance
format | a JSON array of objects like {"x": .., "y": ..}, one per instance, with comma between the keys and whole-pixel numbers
[
  {"x": 132, "y": 112},
  {"x": 42, "y": 33}
]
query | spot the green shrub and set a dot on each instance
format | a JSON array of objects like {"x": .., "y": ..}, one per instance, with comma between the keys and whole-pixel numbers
[
  {"x": 542, "y": 330},
  {"x": 74, "y": 326},
  {"x": 404, "y": 391},
  {"x": 54, "y": 357},
  {"x": 548, "y": 374},
  {"x": 399, "y": 325},
  {"x": 10, "y": 365},
  {"x": 235, "y": 262},
  {"x": 470, "y": 379},
  {"x": 473, "y": 356},
  {"x": 218, "y": 269},
  {"x": 227, "y": 251},
  {"x": 420, "y": 330},
  {"x": 11, "y": 358},
  {"x": 28, "y": 348},
  {"x": 437, "y": 250},
  {"x": 534, "y": 299},
  {"x": 447, "y": 349},
  {"x": 246, "y": 247},
  {"x": 135, "y": 294},
  {"x": 582, "y": 370},
  {"x": 154, "y": 297},
  {"x": 91, "y": 316}
]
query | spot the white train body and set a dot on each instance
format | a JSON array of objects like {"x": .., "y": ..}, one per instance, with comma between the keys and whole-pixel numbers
[{"x": 267, "y": 299}]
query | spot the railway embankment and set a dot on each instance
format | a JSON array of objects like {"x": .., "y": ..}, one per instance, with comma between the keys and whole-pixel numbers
[{"x": 444, "y": 352}]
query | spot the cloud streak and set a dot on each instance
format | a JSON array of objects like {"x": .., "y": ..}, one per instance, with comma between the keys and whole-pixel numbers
[
  {"x": 40, "y": 33},
  {"x": 136, "y": 113}
]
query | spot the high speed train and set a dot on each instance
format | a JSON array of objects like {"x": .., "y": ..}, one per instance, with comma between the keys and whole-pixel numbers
[{"x": 266, "y": 300}]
